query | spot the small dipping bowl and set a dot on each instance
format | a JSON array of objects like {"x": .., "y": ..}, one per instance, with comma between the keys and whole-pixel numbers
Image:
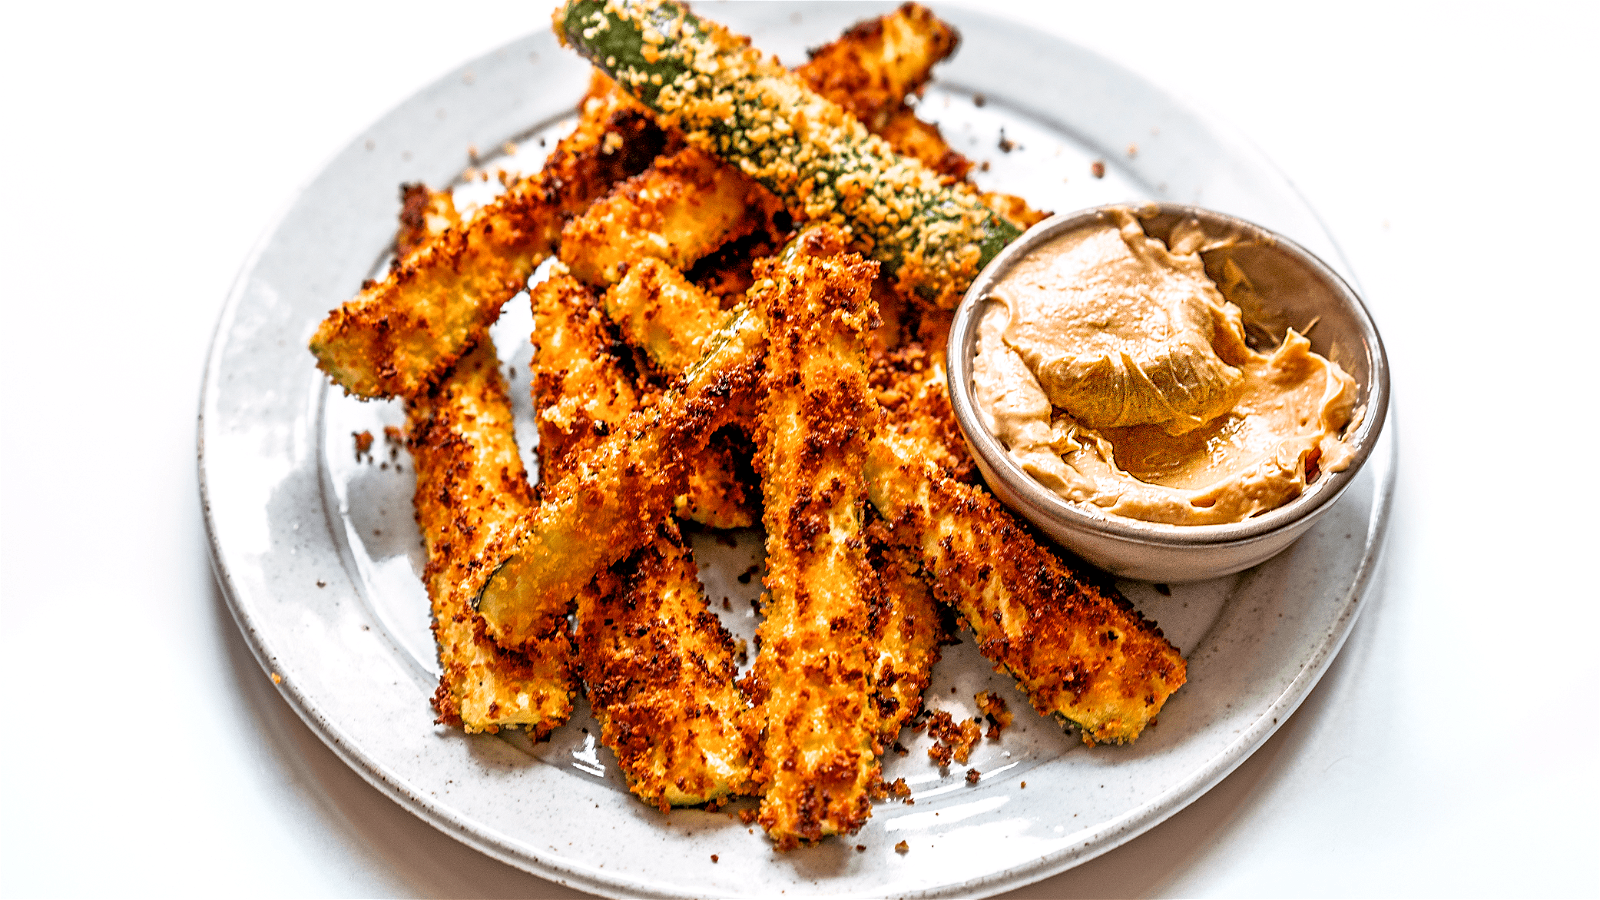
[{"x": 1295, "y": 289}]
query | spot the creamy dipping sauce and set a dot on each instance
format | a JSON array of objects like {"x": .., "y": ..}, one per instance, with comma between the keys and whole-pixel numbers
[{"x": 1116, "y": 374}]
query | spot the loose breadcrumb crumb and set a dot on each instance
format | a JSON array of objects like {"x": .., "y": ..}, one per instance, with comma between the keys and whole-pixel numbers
[
  {"x": 994, "y": 709},
  {"x": 951, "y": 741}
]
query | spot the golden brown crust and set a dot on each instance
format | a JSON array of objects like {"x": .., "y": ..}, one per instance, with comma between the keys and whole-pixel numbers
[
  {"x": 908, "y": 626},
  {"x": 922, "y": 141},
  {"x": 812, "y": 679},
  {"x": 1015, "y": 209},
  {"x": 400, "y": 333},
  {"x": 1079, "y": 652},
  {"x": 660, "y": 671},
  {"x": 581, "y": 388},
  {"x": 424, "y": 215},
  {"x": 912, "y": 386},
  {"x": 471, "y": 487},
  {"x": 871, "y": 68},
  {"x": 657, "y": 308},
  {"x": 657, "y": 663},
  {"x": 680, "y": 209}
]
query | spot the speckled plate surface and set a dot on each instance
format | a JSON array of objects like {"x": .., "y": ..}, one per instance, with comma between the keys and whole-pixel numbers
[{"x": 319, "y": 557}]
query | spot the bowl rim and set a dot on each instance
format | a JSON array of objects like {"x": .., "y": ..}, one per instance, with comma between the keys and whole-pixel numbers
[{"x": 1039, "y": 504}]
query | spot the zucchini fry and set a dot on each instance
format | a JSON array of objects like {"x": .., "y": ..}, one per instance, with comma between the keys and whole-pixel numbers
[
  {"x": 471, "y": 488},
  {"x": 729, "y": 99},
  {"x": 657, "y": 663},
  {"x": 661, "y": 677},
  {"x": 871, "y": 68},
  {"x": 812, "y": 679},
  {"x": 582, "y": 390},
  {"x": 611, "y": 500},
  {"x": 1080, "y": 654},
  {"x": 680, "y": 209},
  {"x": 400, "y": 333},
  {"x": 660, "y": 311}
]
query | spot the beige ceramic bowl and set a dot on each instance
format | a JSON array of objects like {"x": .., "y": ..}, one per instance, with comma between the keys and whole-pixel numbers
[{"x": 1296, "y": 289}]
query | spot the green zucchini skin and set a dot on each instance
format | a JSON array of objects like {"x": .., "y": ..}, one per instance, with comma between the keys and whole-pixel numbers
[{"x": 728, "y": 99}]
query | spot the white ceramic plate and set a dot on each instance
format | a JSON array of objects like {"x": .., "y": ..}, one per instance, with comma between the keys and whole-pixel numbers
[{"x": 319, "y": 557}]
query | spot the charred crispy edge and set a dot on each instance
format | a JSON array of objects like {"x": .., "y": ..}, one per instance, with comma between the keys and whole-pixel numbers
[
  {"x": 720, "y": 488},
  {"x": 871, "y": 68},
  {"x": 470, "y": 489},
  {"x": 660, "y": 672},
  {"x": 1015, "y": 209},
  {"x": 581, "y": 388},
  {"x": 611, "y": 501},
  {"x": 1080, "y": 653},
  {"x": 818, "y": 753},
  {"x": 399, "y": 334},
  {"x": 680, "y": 209}
]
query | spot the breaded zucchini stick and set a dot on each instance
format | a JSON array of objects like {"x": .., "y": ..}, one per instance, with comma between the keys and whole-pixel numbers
[
  {"x": 471, "y": 488},
  {"x": 610, "y": 501},
  {"x": 401, "y": 332},
  {"x": 1080, "y": 654},
  {"x": 657, "y": 662},
  {"x": 871, "y": 68},
  {"x": 680, "y": 209},
  {"x": 661, "y": 312},
  {"x": 660, "y": 671},
  {"x": 812, "y": 679}
]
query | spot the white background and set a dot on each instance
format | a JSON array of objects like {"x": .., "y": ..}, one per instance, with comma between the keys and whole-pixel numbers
[{"x": 1451, "y": 749}]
